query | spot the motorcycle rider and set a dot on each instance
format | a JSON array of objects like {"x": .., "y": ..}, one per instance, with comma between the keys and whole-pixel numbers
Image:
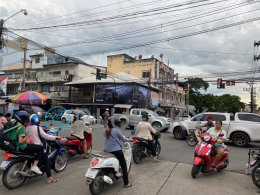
[
  {"x": 145, "y": 130},
  {"x": 81, "y": 131},
  {"x": 32, "y": 131},
  {"x": 113, "y": 144},
  {"x": 219, "y": 146},
  {"x": 18, "y": 137},
  {"x": 209, "y": 123}
]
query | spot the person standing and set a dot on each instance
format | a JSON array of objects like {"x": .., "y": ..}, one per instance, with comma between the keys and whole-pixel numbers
[{"x": 106, "y": 116}]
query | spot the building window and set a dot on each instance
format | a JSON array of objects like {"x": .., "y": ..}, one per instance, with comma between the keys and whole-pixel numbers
[
  {"x": 146, "y": 74},
  {"x": 55, "y": 74},
  {"x": 37, "y": 60}
]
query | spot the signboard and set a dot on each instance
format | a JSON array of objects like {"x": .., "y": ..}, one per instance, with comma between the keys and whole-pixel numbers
[
  {"x": 3, "y": 85},
  {"x": 17, "y": 44}
]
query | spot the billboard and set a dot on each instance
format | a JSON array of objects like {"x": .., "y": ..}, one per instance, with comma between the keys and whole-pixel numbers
[{"x": 125, "y": 94}]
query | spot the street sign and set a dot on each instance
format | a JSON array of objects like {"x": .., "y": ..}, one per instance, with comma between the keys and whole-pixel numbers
[{"x": 17, "y": 44}]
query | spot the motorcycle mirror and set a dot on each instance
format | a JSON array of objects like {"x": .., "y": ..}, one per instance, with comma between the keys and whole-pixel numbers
[{"x": 221, "y": 135}]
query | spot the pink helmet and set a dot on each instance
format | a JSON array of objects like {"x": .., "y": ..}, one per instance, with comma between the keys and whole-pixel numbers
[{"x": 209, "y": 117}]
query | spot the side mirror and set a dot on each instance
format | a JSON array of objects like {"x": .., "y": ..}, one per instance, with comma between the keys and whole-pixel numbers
[
  {"x": 149, "y": 115},
  {"x": 221, "y": 135}
]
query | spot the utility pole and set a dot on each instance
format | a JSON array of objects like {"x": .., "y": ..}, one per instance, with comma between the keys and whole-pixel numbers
[
  {"x": 24, "y": 68},
  {"x": 1, "y": 33},
  {"x": 148, "y": 97}
]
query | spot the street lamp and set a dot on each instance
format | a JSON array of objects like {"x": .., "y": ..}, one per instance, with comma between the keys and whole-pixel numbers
[{"x": 24, "y": 11}]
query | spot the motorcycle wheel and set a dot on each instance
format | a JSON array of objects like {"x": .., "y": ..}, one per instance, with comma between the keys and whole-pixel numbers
[
  {"x": 61, "y": 161},
  {"x": 158, "y": 149},
  {"x": 256, "y": 175},
  {"x": 97, "y": 185},
  {"x": 191, "y": 140},
  {"x": 137, "y": 154},
  {"x": 12, "y": 178},
  {"x": 195, "y": 171}
]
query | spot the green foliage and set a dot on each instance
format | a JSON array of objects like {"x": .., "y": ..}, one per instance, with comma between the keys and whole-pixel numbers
[{"x": 197, "y": 84}]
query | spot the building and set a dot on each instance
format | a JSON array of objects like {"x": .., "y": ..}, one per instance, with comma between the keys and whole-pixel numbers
[
  {"x": 119, "y": 90},
  {"x": 47, "y": 73},
  {"x": 155, "y": 73}
]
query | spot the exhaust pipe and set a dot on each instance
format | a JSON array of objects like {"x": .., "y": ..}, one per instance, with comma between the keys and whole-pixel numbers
[{"x": 108, "y": 180}]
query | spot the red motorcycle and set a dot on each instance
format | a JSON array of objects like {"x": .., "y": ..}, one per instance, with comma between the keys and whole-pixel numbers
[
  {"x": 204, "y": 156},
  {"x": 74, "y": 144}
]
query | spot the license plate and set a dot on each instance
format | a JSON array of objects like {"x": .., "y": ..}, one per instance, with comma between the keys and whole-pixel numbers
[
  {"x": 4, "y": 165},
  {"x": 91, "y": 173}
]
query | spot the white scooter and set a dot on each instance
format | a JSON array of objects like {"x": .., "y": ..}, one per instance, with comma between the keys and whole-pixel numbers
[{"x": 105, "y": 169}]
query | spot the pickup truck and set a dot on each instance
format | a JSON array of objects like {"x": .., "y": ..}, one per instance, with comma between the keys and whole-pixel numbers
[
  {"x": 242, "y": 128},
  {"x": 160, "y": 123}
]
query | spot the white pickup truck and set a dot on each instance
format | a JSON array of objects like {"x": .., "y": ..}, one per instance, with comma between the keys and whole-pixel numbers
[{"x": 241, "y": 128}]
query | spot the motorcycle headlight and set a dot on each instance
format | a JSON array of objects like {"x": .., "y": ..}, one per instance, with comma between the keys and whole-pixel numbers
[{"x": 206, "y": 138}]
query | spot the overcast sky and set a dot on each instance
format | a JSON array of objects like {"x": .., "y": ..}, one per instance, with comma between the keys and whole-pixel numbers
[{"x": 118, "y": 24}]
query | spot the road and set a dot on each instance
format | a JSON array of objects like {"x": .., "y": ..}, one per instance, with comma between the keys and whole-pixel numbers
[{"x": 174, "y": 153}]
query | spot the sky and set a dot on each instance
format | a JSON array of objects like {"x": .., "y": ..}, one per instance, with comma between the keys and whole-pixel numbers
[{"x": 192, "y": 35}]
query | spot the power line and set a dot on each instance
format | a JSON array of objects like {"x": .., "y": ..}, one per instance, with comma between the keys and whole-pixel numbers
[
  {"x": 124, "y": 16},
  {"x": 174, "y": 38}
]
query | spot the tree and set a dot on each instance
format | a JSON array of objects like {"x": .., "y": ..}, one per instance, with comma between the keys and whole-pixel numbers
[
  {"x": 198, "y": 83},
  {"x": 229, "y": 103}
]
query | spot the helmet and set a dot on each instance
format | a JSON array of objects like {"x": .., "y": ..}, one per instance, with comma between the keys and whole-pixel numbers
[
  {"x": 113, "y": 122},
  {"x": 35, "y": 119},
  {"x": 209, "y": 117},
  {"x": 21, "y": 116},
  {"x": 145, "y": 116}
]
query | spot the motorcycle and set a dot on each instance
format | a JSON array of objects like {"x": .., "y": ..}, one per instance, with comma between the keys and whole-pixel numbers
[
  {"x": 204, "y": 156},
  {"x": 104, "y": 169},
  {"x": 141, "y": 148},
  {"x": 16, "y": 169},
  {"x": 74, "y": 145},
  {"x": 254, "y": 165},
  {"x": 191, "y": 138}
]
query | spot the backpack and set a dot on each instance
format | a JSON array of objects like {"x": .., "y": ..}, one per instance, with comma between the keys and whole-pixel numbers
[{"x": 5, "y": 142}]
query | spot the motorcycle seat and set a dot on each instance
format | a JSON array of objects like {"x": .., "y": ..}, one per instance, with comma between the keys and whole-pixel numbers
[
  {"x": 104, "y": 154},
  {"x": 140, "y": 138}
]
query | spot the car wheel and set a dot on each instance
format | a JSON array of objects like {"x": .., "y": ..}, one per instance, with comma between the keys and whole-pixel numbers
[
  {"x": 178, "y": 133},
  {"x": 157, "y": 126},
  {"x": 63, "y": 120},
  {"x": 240, "y": 139}
]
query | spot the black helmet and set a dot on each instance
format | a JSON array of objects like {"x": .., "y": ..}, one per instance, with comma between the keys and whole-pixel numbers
[
  {"x": 145, "y": 116},
  {"x": 113, "y": 122},
  {"x": 21, "y": 116}
]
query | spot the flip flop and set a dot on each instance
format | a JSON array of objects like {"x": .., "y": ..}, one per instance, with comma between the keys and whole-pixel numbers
[{"x": 53, "y": 181}]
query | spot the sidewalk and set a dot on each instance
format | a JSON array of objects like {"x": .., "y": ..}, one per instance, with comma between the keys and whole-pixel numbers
[
  {"x": 164, "y": 178},
  {"x": 149, "y": 178}
]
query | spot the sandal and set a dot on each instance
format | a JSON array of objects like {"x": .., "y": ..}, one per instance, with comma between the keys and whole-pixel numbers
[
  {"x": 128, "y": 186},
  {"x": 53, "y": 181},
  {"x": 86, "y": 157}
]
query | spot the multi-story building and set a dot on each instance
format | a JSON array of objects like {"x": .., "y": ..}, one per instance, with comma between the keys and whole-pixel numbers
[
  {"x": 154, "y": 72},
  {"x": 47, "y": 74}
]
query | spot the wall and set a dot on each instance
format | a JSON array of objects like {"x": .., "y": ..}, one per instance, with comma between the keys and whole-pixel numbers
[{"x": 116, "y": 64}]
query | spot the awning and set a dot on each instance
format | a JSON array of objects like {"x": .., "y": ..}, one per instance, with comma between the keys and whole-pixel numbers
[{"x": 127, "y": 106}]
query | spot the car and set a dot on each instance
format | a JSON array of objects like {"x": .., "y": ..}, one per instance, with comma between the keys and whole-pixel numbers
[
  {"x": 69, "y": 115},
  {"x": 36, "y": 110}
]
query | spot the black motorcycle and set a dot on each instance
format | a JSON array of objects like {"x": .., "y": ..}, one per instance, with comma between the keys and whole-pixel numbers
[
  {"x": 16, "y": 169},
  {"x": 254, "y": 164},
  {"x": 141, "y": 148}
]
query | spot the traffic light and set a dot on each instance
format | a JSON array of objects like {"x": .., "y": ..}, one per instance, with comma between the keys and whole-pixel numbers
[
  {"x": 229, "y": 83},
  {"x": 220, "y": 85},
  {"x": 98, "y": 74}
]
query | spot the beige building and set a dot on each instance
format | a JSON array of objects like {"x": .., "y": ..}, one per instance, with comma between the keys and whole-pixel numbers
[
  {"x": 155, "y": 72},
  {"x": 47, "y": 73}
]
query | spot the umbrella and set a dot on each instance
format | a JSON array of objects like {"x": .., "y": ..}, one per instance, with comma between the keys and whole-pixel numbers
[{"x": 29, "y": 97}]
